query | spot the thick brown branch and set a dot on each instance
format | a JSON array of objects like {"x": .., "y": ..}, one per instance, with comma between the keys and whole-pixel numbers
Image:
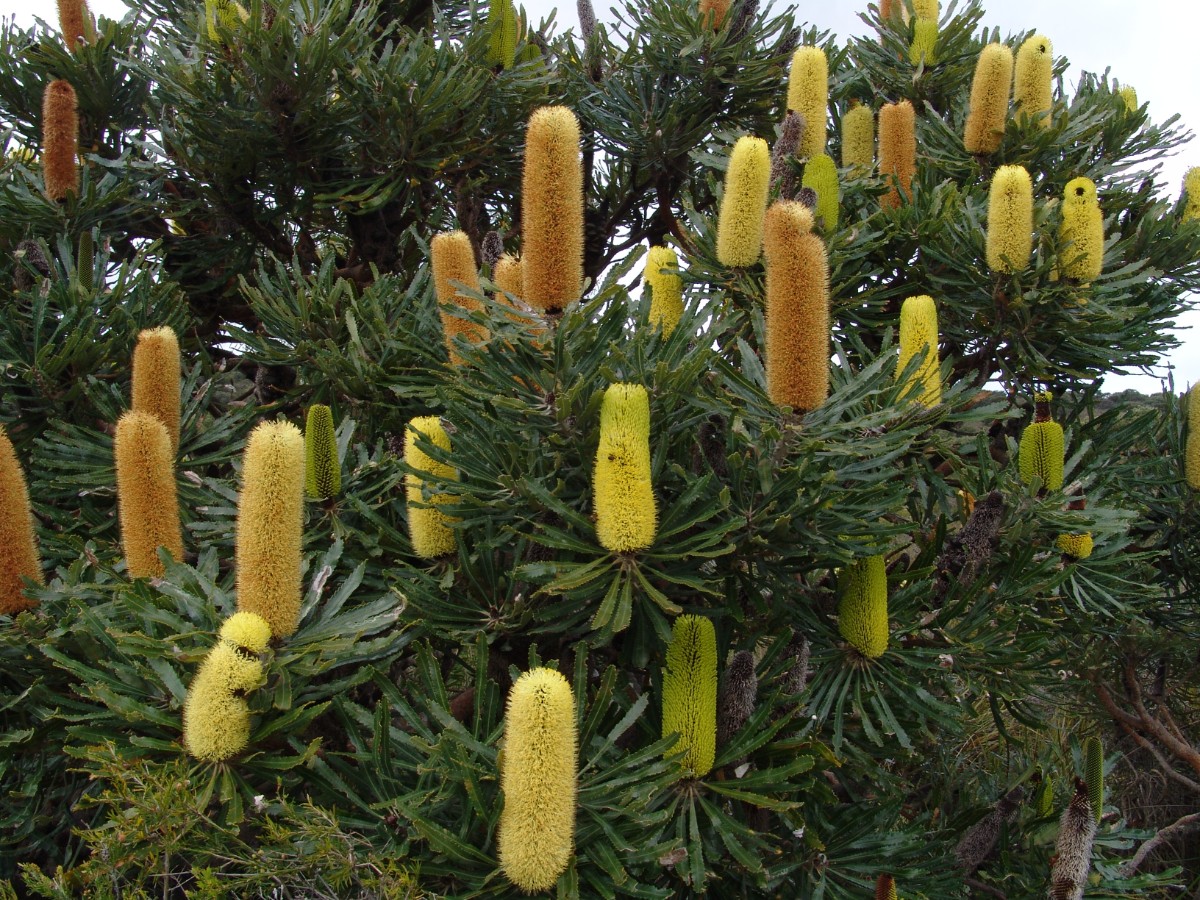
[{"x": 1152, "y": 844}]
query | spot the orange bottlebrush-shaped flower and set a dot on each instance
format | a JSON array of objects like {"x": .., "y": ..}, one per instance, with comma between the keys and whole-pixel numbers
[
  {"x": 740, "y": 222},
  {"x": 821, "y": 175},
  {"x": 428, "y": 530},
  {"x": 808, "y": 94},
  {"x": 156, "y": 378},
  {"x": 858, "y": 137},
  {"x": 797, "y": 309},
  {"x": 60, "y": 140},
  {"x": 1191, "y": 454},
  {"x": 1082, "y": 231},
  {"x": 18, "y": 553},
  {"x": 552, "y": 210},
  {"x": 146, "y": 494},
  {"x": 1010, "y": 220},
  {"x": 989, "y": 100},
  {"x": 75, "y": 23},
  {"x": 666, "y": 288},
  {"x": 538, "y": 777},
  {"x": 897, "y": 149},
  {"x": 1191, "y": 194},
  {"x": 1032, "y": 92},
  {"x": 626, "y": 514},
  {"x": 270, "y": 525},
  {"x": 713, "y": 12},
  {"x": 453, "y": 260},
  {"x": 507, "y": 276},
  {"x": 889, "y": 8},
  {"x": 216, "y": 718},
  {"x": 919, "y": 331}
]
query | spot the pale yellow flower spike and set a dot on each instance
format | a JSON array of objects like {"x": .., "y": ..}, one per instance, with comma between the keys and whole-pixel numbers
[
  {"x": 626, "y": 513},
  {"x": 740, "y": 221},
  {"x": 808, "y": 94},
  {"x": 1082, "y": 231},
  {"x": 990, "y": 90},
  {"x": 1010, "y": 220},
  {"x": 919, "y": 331},
  {"x": 1032, "y": 91},
  {"x": 858, "y": 137},
  {"x": 428, "y": 527},
  {"x": 1191, "y": 194},
  {"x": 666, "y": 288},
  {"x": 552, "y": 210}
]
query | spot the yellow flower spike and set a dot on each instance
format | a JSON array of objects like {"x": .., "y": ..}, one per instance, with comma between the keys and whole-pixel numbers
[
  {"x": 18, "y": 552},
  {"x": 1010, "y": 220},
  {"x": 428, "y": 530},
  {"x": 863, "y": 606},
  {"x": 808, "y": 94},
  {"x": 689, "y": 693},
  {"x": 713, "y": 12},
  {"x": 858, "y": 137},
  {"x": 1032, "y": 91},
  {"x": 270, "y": 525},
  {"x": 504, "y": 32},
  {"x": 147, "y": 503},
  {"x": 552, "y": 210},
  {"x": 897, "y": 149},
  {"x": 156, "y": 378},
  {"x": 821, "y": 175},
  {"x": 322, "y": 471},
  {"x": 1191, "y": 453},
  {"x": 507, "y": 277},
  {"x": 740, "y": 222},
  {"x": 797, "y": 309},
  {"x": 60, "y": 140},
  {"x": 228, "y": 14},
  {"x": 626, "y": 513},
  {"x": 453, "y": 260},
  {"x": 666, "y": 288},
  {"x": 924, "y": 43},
  {"x": 75, "y": 23},
  {"x": 1078, "y": 546},
  {"x": 1129, "y": 95},
  {"x": 927, "y": 9},
  {"x": 990, "y": 90},
  {"x": 919, "y": 331},
  {"x": 216, "y": 718},
  {"x": 246, "y": 630},
  {"x": 536, "y": 834},
  {"x": 1191, "y": 194},
  {"x": 1041, "y": 450},
  {"x": 1081, "y": 233}
]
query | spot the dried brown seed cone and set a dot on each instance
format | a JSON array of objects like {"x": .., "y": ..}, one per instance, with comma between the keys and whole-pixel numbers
[
  {"x": 60, "y": 140},
  {"x": 797, "y": 313},
  {"x": 147, "y": 503},
  {"x": 738, "y": 696},
  {"x": 897, "y": 149},
  {"x": 552, "y": 210},
  {"x": 453, "y": 260},
  {"x": 156, "y": 378},
  {"x": 75, "y": 23},
  {"x": 1073, "y": 849},
  {"x": 18, "y": 553}
]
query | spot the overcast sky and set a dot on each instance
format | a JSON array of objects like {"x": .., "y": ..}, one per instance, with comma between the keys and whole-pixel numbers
[{"x": 1150, "y": 45}]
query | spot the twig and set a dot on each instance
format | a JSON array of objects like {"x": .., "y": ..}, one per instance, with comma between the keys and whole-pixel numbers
[
  {"x": 1152, "y": 844},
  {"x": 986, "y": 888}
]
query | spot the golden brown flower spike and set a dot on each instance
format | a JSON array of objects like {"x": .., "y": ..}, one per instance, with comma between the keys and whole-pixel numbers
[
  {"x": 60, "y": 140},
  {"x": 18, "y": 553},
  {"x": 146, "y": 494},
  {"x": 156, "y": 379},
  {"x": 453, "y": 260},
  {"x": 897, "y": 149},
  {"x": 552, "y": 211}
]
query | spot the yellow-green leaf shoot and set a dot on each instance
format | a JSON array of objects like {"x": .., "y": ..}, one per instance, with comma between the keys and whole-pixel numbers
[
  {"x": 1010, "y": 220},
  {"x": 626, "y": 513},
  {"x": 689, "y": 698},
  {"x": 740, "y": 222},
  {"x": 322, "y": 471}
]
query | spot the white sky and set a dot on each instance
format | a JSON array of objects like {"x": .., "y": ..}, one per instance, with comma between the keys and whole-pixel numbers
[{"x": 1150, "y": 45}]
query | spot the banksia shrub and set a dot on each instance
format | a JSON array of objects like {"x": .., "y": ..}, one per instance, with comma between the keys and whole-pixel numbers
[
  {"x": 626, "y": 515},
  {"x": 1073, "y": 849},
  {"x": 216, "y": 718},
  {"x": 1010, "y": 220},
  {"x": 990, "y": 90},
  {"x": 1191, "y": 451},
  {"x": 897, "y": 149},
  {"x": 1093, "y": 774},
  {"x": 1041, "y": 450},
  {"x": 75, "y": 23},
  {"x": 919, "y": 332},
  {"x": 863, "y": 605},
  {"x": 808, "y": 94},
  {"x": 713, "y": 12},
  {"x": 146, "y": 495},
  {"x": 740, "y": 221},
  {"x": 797, "y": 309},
  {"x": 504, "y": 30},
  {"x": 858, "y": 137},
  {"x": 821, "y": 175},
  {"x": 689, "y": 693},
  {"x": 1081, "y": 233},
  {"x": 552, "y": 210},
  {"x": 322, "y": 471},
  {"x": 156, "y": 379},
  {"x": 1077, "y": 546},
  {"x": 60, "y": 140},
  {"x": 1032, "y": 91},
  {"x": 18, "y": 553},
  {"x": 452, "y": 259},
  {"x": 428, "y": 530},
  {"x": 666, "y": 288},
  {"x": 1191, "y": 194},
  {"x": 269, "y": 526},
  {"x": 537, "y": 775}
]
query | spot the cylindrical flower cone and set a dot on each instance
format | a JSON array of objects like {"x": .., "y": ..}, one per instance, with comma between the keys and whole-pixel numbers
[
  {"x": 504, "y": 32},
  {"x": 1072, "y": 859},
  {"x": 536, "y": 834},
  {"x": 552, "y": 210},
  {"x": 858, "y": 137},
  {"x": 156, "y": 378},
  {"x": 990, "y": 91},
  {"x": 1191, "y": 194},
  {"x": 428, "y": 530},
  {"x": 507, "y": 277},
  {"x": 797, "y": 309},
  {"x": 1076, "y": 546},
  {"x": 60, "y": 140},
  {"x": 821, "y": 175},
  {"x": 885, "y": 888},
  {"x": 740, "y": 222},
  {"x": 270, "y": 526},
  {"x": 322, "y": 471},
  {"x": 1081, "y": 234},
  {"x": 626, "y": 513},
  {"x": 923, "y": 48},
  {"x": 75, "y": 23},
  {"x": 1191, "y": 452},
  {"x": 689, "y": 693},
  {"x": 216, "y": 718},
  {"x": 713, "y": 12},
  {"x": 666, "y": 288},
  {"x": 919, "y": 331},
  {"x": 453, "y": 260},
  {"x": 1041, "y": 450},
  {"x": 146, "y": 493},
  {"x": 1032, "y": 91},
  {"x": 1128, "y": 94},
  {"x": 863, "y": 606},
  {"x": 18, "y": 552},
  {"x": 927, "y": 9},
  {"x": 808, "y": 94},
  {"x": 897, "y": 149},
  {"x": 1093, "y": 774},
  {"x": 1010, "y": 220}
]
